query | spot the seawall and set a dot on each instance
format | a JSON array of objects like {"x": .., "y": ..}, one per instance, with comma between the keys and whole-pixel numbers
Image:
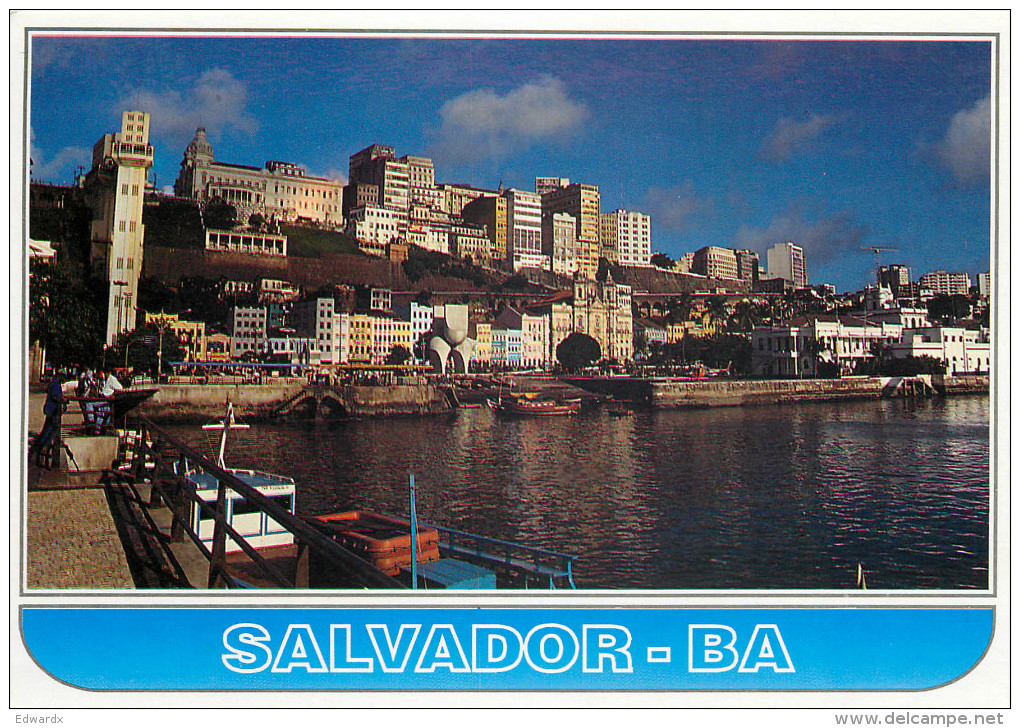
[
  {"x": 675, "y": 393},
  {"x": 202, "y": 402}
]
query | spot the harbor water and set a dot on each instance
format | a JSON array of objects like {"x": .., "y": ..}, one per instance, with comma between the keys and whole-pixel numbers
[{"x": 777, "y": 497}]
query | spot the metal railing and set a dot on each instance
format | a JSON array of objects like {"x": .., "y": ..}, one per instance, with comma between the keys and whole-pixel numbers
[
  {"x": 532, "y": 562},
  {"x": 181, "y": 496}
]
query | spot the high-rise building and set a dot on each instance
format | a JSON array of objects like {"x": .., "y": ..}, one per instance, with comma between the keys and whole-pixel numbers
[
  {"x": 893, "y": 276},
  {"x": 715, "y": 262},
  {"x": 944, "y": 283},
  {"x": 559, "y": 242},
  {"x": 626, "y": 238},
  {"x": 524, "y": 229},
  {"x": 985, "y": 284},
  {"x": 115, "y": 189},
  {"x": 490, "y": 213},
  {"x": 786, "y": 261},
  {"x": 747, "y": 265},
  {"x": 582, "y": 202},
  {"x": 548, "y": 184}
]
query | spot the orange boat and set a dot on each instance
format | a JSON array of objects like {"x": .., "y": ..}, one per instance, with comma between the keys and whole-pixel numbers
[
  {"x": 384, "y": 541},
  {"x": 530, "y": 405}
]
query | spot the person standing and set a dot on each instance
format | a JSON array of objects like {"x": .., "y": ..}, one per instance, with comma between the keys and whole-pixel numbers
[{"x": 49, "y": 436}]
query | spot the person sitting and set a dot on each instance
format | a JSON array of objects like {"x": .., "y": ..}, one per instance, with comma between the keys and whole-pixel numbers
[{"x": 107, "y": 384}]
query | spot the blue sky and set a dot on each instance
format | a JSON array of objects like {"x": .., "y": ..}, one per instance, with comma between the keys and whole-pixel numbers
[{"x": 834, "y": 144}]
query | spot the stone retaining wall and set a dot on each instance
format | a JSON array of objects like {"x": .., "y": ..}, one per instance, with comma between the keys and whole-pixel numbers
[{"x": 202, "y": 402}]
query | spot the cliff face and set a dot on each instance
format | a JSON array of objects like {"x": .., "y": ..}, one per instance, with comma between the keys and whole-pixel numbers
[
  {"x": 653, "y": 280},
  {"x": 172, "y": 264}
]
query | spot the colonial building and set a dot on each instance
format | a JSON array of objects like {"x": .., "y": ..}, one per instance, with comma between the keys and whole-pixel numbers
[
  {"x": 115, "y": 190},
  {"x": 600, "y": 309},
  {"x": 281, "y": 190},
  {"x": 246, "y": 241},
  {"x": 795, "y": 350}
]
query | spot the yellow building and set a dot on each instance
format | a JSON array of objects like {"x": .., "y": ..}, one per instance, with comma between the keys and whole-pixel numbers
[
  {"x": 191, "y": 334},
  {"x": 482, "y": 334}
]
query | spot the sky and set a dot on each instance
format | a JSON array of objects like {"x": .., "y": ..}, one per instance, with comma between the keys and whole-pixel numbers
[{"x": 837, "y": 145}]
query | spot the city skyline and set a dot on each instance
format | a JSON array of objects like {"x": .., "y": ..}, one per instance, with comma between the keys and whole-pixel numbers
[{"x": 837, "y": 146}]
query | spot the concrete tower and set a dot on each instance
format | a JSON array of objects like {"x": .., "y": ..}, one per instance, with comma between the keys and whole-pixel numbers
[{"x": 115, "y": 188}]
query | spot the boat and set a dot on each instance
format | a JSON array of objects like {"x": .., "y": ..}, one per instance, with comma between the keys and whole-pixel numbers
[
  {"x": 533, "y": 403},
  {"x": 257, "y": 527}
]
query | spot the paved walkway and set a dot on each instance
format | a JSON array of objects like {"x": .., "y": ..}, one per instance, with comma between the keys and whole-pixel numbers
[{"x": 72, "y": 543}]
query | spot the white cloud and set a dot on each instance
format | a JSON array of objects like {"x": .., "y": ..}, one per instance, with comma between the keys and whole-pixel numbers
[
  {"x": 823, "y": 239},
  {"x": 675, "y": 208},
  {"x": 965, "y": 148},
  {"x": 789, "y": 136},
  {"x": 59, "y": 168},
  {"x": 481, "y": 124},
  {"x": 216, "y": 101}
]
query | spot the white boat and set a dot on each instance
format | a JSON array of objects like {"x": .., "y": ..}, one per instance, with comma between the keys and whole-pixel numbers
[{"x": 258, "y": 528}]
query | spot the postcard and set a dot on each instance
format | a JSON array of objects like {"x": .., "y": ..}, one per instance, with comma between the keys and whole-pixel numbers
[{"x": 510, "y": 359}]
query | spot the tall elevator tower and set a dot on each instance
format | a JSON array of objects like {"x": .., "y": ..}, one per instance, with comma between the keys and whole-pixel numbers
[{"x": 115, "y": 189}]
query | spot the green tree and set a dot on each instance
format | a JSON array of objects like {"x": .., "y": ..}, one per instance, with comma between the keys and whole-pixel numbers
[
  {"x": 66, "y": 314},
  {"x": 661, "y": 260},
  {"x": 946, "y": 309},
  {"x": 578, "y": 351},
  {"x": 220, "y": 214},
  {"x": 141, "y": 349},
  {"x": 398, "y": 355}
]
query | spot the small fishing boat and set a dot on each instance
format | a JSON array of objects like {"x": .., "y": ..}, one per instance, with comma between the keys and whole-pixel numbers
[
  {"x": 533, "y": 403},
  {"x": 258, "y": 528}
]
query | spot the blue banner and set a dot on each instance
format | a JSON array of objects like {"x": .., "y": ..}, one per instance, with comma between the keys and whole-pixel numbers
[{"x": 534, "y": 649}]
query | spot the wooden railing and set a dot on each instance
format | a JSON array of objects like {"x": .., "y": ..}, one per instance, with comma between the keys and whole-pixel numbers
[{"x": 179, "y": 494}]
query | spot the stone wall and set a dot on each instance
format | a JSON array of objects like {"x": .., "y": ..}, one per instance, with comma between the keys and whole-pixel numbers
[{"x": 205, "y": 402}]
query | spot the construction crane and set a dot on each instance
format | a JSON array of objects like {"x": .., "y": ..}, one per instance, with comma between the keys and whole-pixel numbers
[{"x": 876, "y": 251}]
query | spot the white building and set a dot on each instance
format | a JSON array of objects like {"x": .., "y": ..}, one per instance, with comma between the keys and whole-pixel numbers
[
  {"x": 985, "y": 285},
  {"x": 626, "y": 238},
  {"x": 963, "y": 351},
  {"x": 420, "y": 317},
  {"x": 786, "y": 261},
  {"x": 375, "y": 227},
  {"x": 248, "y": 331},
  {"x": 245, "y": 241},
  {"x": 559, "y": 242},
  {"x": 281, "y": 190},
  {"x": 795, "y": 350},
  {"x": 115, "y": 190},
  {"x": 524, "y": 229},
  {"x": 943, "y": 283},
  {"x": 715, "y": 262}
]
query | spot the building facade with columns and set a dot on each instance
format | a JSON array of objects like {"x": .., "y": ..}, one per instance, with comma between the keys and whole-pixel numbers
[{"x": 281, "y": 190}]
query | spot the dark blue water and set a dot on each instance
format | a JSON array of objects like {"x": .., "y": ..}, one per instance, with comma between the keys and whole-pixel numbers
[{"x": 786, "y": 497}]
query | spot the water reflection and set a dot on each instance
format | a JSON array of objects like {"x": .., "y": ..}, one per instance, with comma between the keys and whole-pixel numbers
[{"x": 765, "y": 497}]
